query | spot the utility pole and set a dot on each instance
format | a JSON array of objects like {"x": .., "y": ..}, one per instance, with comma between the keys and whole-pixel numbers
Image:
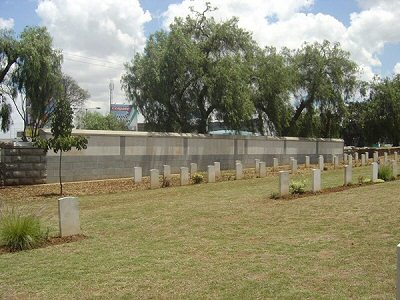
[{"x": 111, "y": 86}]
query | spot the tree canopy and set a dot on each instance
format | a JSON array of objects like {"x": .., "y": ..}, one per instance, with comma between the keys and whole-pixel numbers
[
  {"x": 30, "y": 67},
  {"x": 198, "y": 70},
  {"x": 96, "y": 121}
]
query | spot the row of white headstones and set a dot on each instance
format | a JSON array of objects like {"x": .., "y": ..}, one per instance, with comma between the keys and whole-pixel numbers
[{"x": 214, "y": 171}]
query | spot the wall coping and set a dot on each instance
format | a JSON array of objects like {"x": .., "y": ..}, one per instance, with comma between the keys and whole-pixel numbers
[{"x": 80, "y": 132}]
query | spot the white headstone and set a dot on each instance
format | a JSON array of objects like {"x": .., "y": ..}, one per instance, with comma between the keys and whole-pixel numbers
[
  {"x": 137, "y": 174},
  {"x": 68, "y": 216},
  {"x": 321, "y": 162},
  {"x": 374, "y": 171},
  {"x": 363, "y": 159},
  {"x": 275, "y": 164},
  {"x": 283, "y": 183},
  {"x": 385, "y": 158},
  {"x": 335, "y": 161},
  {"x": 184, "y": 175},
  {"x": 316, "y": 180},
  {"x": 345, "y": 158},
  {"x": 356, "y": 157},
  {"x": 193, "y": 169},
  {"x": 167, "y": 172},
  {"x": 307, "y": 162},
  {"x": 257, "y": 161},
  {"x": 211, "y": 174},
  {"x": 366, "y": 157},
  {"x": 262, "y": 169},
  {"x": 217, "y": 166},
  {"x": 348, "y": 175},
  {"x": 294, "y": 166},
  {"x": 239, "y": 171},
  {"x": 394, "y": 168},
  {"x": 350, "y": 158},
  {"x": 154, "y": 179},
  {"x": 376, "y": 156}
]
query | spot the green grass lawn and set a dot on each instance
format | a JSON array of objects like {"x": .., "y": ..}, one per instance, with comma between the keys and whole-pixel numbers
[{"x": 224, "y": 240}]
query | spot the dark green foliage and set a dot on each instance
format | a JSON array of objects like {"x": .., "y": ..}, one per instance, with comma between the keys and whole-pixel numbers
[
  {"x": 197, "y": 70},
  {"x": 385, "y": 172},
  {"x": 326, "y": 79},
  {"x": 18, "y": 232}
]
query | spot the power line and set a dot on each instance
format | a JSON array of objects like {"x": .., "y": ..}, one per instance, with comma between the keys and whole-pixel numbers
[
  {"x": 93, "y": 58},
  {"x": 90, "y": 63}
]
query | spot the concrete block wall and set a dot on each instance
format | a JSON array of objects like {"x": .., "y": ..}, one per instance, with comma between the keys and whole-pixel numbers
[
  {"x": 113, "y": 154},
  {"x": 22, "y": 166}
]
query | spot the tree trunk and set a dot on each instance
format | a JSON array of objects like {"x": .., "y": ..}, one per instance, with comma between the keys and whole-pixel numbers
[{"x": 59, "y": 174}]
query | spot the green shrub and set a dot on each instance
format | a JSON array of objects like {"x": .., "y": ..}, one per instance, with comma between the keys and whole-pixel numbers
[
  {"x": 298, "y": 186},
  {"x": 197, "y": 178},
  {"x": 385, "y": 172},
  {"x": 19, "y": 232}
]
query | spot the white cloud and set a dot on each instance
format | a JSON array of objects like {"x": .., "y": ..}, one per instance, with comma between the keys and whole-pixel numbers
[
  {"x": 287, "y": 23},
  {"x": 97, "y": 37},
  {"x": 396, "y": 69},
  {"x": 6, "y": 23}
]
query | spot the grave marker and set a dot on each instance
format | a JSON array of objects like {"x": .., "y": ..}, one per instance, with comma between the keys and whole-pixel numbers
[
  {"x": 154, "y": 179},
  {"x": 137, "y": 174},
  {"x": 262, "y": 169},
  {"x": 283, "y": 183},
  {"x": 184, "y": 175},
  {"x": 193, "y": 169},
  {"x": 239, "y": 171},
  {"x": 211, "y": 174},
  {"x": 217, "y": 166},
  {"x": 68, "y": 216},
  {"x": 347, "y": 175},
  {"x": 316, "y": 180},
  {"x": 374, "y": 171},
  {"x": 167, "y": 172}
]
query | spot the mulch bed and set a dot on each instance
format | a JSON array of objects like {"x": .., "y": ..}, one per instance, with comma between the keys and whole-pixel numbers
[{"x": 51, "y": 241}]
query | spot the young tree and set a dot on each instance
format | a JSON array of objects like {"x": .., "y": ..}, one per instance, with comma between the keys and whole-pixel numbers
[
  {"x": 198, "y": 70},
  {"x": 61, "y": 129}
]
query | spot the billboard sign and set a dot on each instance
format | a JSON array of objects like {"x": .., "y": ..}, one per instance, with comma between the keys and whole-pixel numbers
[{"x": 126, "y": 113}]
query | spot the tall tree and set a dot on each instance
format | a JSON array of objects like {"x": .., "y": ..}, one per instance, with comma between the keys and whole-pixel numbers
[
  {"x": 272, "y": 86},
  {"x": 9, "y": 52},
  {"x": 326, "y": 79},
  {"x": 38, "y": 76},
  {"x": 383, "y": 111},
  {"x": 31, "y": 67},
  {"x": 200, "y": 69}
]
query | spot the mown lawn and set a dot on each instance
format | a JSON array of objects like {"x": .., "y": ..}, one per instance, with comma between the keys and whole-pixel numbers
[{"x": 223, "y": 240}]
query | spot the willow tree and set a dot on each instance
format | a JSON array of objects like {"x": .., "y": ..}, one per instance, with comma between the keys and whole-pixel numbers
[
  {"x": 326, "y": 79},
  {"x": 200, "y": 69},
  {"x": 272, "y": 86}
]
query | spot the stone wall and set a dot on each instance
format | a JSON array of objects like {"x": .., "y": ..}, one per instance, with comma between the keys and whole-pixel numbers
[
  {"x": 22, "y": 165},
  {"x": 112, "y": 154}
]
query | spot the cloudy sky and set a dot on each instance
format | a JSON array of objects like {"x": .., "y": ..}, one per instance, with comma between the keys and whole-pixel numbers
[{"x": 98, "y": 36}]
